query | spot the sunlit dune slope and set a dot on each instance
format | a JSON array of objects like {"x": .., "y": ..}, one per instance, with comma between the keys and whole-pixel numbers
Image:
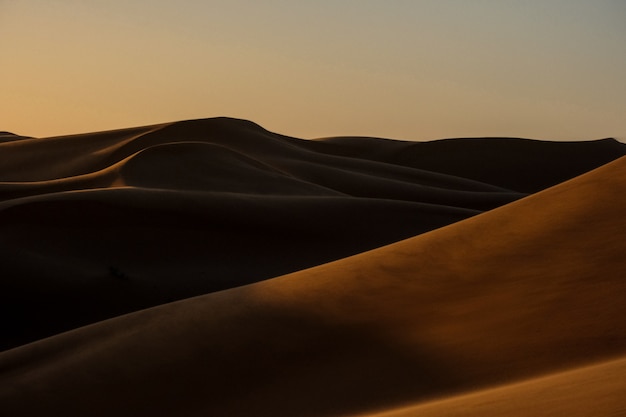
[
  {"x": 112, "y": 222},
  {"x": 533, "y": 287},
  {"x": 117, "y": 221},
  {"x": 589, "y": 391}
]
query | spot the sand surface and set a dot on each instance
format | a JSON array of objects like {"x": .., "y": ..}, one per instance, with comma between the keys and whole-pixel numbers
[{"x": 211, "y": 267}]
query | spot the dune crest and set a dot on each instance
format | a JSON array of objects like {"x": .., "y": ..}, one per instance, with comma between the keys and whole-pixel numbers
[
  {"x": 520, "y": 291},
  {"x": 10, "y": 137},
  {"x": 175, "y": 207}
]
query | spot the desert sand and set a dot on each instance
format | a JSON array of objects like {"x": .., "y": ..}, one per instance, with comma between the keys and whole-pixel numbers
[{"x": 210, "y": 267}]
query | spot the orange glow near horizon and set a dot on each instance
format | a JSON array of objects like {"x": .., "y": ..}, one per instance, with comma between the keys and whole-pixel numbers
[{"x": 408, "y": 70}]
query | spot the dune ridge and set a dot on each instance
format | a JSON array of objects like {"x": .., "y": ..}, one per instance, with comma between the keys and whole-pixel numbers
[
  {"x": 110, "y": 218},
  {"x": 523, "y": 290},
  {"x": 523, "y": 165},
  {"x": 10, "y": 137}
]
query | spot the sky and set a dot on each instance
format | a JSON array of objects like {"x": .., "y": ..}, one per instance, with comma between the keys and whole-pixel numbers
[{"x": 404, "y": 69}]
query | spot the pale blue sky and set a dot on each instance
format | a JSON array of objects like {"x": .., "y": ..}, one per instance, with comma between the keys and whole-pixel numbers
[{"x": 551, "y": 69}]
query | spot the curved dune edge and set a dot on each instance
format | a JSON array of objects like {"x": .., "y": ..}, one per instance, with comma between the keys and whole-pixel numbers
[
  {"x": 596, "y": 390},
  {"x": 524, "y": 165},
  {"x": 108, "y": 223},
  {"x": 529, "y": 288}
]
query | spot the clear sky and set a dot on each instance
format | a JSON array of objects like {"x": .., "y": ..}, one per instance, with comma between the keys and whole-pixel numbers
[{"x": 406, "y": 69}]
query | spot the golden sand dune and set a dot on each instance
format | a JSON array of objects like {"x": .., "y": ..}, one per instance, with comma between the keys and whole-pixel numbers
[
  {"x": 531, "y": 288},
  {"x": 589, "y": 391},
  {"x": 112, "y": 222}
]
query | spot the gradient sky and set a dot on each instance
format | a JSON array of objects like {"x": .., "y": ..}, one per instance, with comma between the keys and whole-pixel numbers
[{"x": 406, "y": 69}]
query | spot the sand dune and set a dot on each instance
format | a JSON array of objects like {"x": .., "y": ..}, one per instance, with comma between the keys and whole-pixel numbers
[
  {"x": 173, "y": 209},
  {"x": 521, "y": 291},
  {"x": 522, "y": 165},
  {"x": 10, "y": 137},
  {"x": 589, "y": 391}
]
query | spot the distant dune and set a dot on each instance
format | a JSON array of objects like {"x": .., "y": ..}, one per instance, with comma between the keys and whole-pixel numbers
[
  {"x": 407, "y": 278},
  {"x": 9, "y": 137}
]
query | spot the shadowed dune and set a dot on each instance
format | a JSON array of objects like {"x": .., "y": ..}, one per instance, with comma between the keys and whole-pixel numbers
[
  {"x": 10, "y": 137},
  {"x": 523, "y": 165},
  {"x": 132, "y": 260},
  {"x": 118, "y": 221},
  {"x": 524, "y": 290}
]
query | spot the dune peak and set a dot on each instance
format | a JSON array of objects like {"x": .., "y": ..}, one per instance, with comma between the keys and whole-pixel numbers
[{"x": 213, "y": 267}]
